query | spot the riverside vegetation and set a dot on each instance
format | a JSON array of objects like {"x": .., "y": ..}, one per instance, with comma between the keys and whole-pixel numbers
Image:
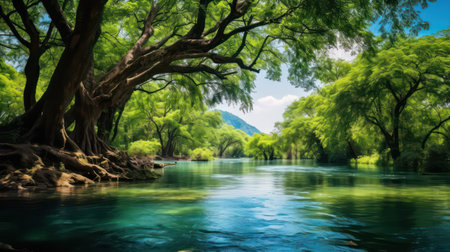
[{"x": 92, "y": 79}]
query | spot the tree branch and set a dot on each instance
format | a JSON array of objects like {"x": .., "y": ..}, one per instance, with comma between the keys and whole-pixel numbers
[
  {"x": 199, "y": 26},
  {"x": 194, "y": 69},
  {"x": 30, "y": 28},
  {"x": 154, "y": 91},
  {"x": 56, "y": 13},
  {"x": 219, "y": 59},
  {"x": 260, "y": 51},
  {"x": 243, "y": 43},
  {"x": 427, "y": 136},
  {"x": 13, "y": 28}
]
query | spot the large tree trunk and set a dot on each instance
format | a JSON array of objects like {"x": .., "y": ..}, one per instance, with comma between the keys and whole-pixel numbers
[
  {"x": 86, "y": 113},
  {"x": 43, "y": 123},
  {"x": 70, "y": 71}
]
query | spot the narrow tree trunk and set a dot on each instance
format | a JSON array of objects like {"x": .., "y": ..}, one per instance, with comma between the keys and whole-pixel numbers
[
  {"x": 116, "y": 124},
  {"x": 32, "y": 70},
  {"x": 395, "y": 141},
  {"x": 105, "y": 123},
  {"x": 351, "y": 149},
  {"x": 323, "y": 157}
]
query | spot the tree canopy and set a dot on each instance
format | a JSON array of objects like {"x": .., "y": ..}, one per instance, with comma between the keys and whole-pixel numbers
[
  {"x": 83, "y": 60},
  {"x": 399, "y": 96}
]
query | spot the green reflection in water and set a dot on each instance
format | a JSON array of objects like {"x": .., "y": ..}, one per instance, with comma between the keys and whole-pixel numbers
[
  {"x": 238, "y": 204},
  {"x": 156, "y": 194}
]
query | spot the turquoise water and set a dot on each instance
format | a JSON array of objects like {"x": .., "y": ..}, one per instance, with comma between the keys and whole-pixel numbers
[{"x": 236, "y": 205}]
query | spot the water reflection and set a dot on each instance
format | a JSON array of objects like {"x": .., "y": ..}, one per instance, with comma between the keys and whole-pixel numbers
[{"x": 238, "y": 204}]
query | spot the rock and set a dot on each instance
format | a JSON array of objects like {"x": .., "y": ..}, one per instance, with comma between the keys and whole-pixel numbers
[{"x": 6, "y": 247}]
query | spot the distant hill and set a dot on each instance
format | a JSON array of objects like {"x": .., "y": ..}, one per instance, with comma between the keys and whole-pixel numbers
[{"x": 238, "y": 123}]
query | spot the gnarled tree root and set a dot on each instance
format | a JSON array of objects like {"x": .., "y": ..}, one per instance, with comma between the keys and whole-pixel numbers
[{"x": 29, "y": 166}]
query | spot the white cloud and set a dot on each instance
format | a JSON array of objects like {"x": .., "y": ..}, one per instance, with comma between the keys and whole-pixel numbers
[
  {"x": 267, "y": 108},
  {"x": 339, "y": 52},
  {"x": 270, "y": 101}
]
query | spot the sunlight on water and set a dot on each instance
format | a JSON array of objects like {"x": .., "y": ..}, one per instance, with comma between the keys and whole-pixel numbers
[
  {"x": 238, "y": 204},
  {"x": 178, "y": 194}
]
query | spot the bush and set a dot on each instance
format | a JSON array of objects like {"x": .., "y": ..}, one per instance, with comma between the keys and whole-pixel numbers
[
  {"x": 378, "y": 159},
  {"x": 202, "y": 154},
  {"x": 437, "y": 159},
  {"x": 372, "y": 159},
  {"x": 143, "y": 148},
  {"x": 409, "y": 160}
]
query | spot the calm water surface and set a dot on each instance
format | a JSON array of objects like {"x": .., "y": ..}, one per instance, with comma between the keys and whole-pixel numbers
[{"x": 236, "y": 205}]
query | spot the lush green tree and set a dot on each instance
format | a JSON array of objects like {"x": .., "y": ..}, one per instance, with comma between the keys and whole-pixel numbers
[
  {"x": 304, "y": 130},
  {"x": 178, "y": 122},
  {"x": 392, "y": 88},
  {"x": 396, "y": 99},
  {"x": 264, "y": 146},
  {"x": 212, "y": 48},
  {"x": 202, "y": 154},
  {"x": 142, "y": 148},
  {"x": 228, "y": 137},
  {"x": 11, "y": 88}
]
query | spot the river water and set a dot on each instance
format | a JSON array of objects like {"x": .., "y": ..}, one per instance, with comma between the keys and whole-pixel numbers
[{"x": 238, "y": 205}]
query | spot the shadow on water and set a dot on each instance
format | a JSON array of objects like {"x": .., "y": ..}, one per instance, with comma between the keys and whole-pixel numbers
[{"x": 238, "y": 204}]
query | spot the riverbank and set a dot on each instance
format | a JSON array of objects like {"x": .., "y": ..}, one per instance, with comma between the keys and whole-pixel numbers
[{"x": 36, "y": 168}]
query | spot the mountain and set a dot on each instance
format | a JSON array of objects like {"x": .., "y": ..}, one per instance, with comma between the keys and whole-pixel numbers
[{"x": 238, "y": 123}]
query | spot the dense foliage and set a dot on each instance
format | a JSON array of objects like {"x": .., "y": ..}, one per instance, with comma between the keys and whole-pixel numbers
[
  {"x": 11, "y": 89},
  {"x": 202, "y": 154},
  {"x": 142, "y": 148},
  {"x": 393, "y": 105},
  {"x": 82, "y": 63},
  {"x": 264, "y": 146}
]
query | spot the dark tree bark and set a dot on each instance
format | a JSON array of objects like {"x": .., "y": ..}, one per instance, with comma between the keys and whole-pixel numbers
[
  {"x": 351, "y": 149},
  {"x": 70, "y": 71},
  {"x": 105, "y": 124}
]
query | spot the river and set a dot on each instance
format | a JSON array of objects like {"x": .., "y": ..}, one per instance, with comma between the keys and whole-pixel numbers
[{"x": 238, "y": 205}]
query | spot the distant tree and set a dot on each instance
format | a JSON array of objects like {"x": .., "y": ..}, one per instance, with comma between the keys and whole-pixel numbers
[
  {"x": 202, "y": 154},
  {"x": 227, "y": 137},
  {"x": 174, "y": 119},
  {"x": 142, "y": 148},
  {"x": 300, "y": 129},
  {"x": 11, "y": 88},
  {"x": 264, "y": 146}
]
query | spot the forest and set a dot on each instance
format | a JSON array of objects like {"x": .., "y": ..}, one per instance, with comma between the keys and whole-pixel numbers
[
  {"x": 94, "y": 90},
  {"x": 389, "y": 108}
]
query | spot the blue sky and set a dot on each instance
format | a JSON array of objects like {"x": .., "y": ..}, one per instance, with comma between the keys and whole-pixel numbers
[{"x": 271, "y": 98}]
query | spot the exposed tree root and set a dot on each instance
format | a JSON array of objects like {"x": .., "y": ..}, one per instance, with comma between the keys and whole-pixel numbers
[{"x": 29, "y": 166}]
